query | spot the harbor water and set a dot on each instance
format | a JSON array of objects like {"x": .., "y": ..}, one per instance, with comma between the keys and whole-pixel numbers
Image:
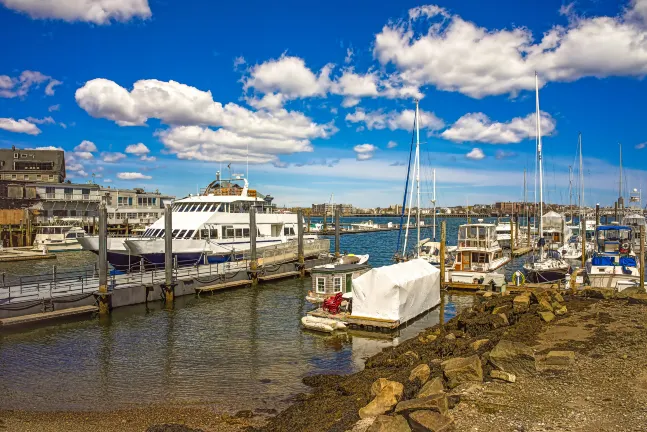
[{"x": 237, "y": 349}]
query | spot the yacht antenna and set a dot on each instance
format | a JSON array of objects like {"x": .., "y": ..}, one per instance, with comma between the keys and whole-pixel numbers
[
  {"x": 570, "y": 191},
  {"x": 620, "y": 199},
  {"x": 581, "y": 182},
  {"x": 247, "y": 161},
  {"x": 539, "y": 158}
]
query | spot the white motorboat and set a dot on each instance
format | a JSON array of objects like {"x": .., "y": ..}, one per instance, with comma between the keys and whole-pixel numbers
[
  {"x": 430, "y": 252},
  {"x": 118, "y": 254},
  {"x": 58, "y": 238},
  {"x": 479, "y": 257},
  {"x": 614, "y": 264},
  {"x": 213, "y": 227},
  {"x": 503, "y": 234},
  {"x": 572, "y": 250},
  {"x": 634, "y": 221}
]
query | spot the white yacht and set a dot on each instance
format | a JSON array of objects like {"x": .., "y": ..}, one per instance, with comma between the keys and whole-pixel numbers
[
  {"x": 555, "y": 231},
  {"x": 503, "y": 234},
  {"x": 58, "y": 238},
  {"x": 572, "y": 250},
  {"x": 634, "y": 221},
  {"x": 430, "y": 252},
  {"x": 479, "y": 257},
  {"x": 213, "y": 227},
  {"x": 614, "y": 263},
  {"x": 118, "y": 253}
]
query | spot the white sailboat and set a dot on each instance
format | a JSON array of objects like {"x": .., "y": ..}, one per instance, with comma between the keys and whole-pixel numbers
[{"x": 546, "y": 266}]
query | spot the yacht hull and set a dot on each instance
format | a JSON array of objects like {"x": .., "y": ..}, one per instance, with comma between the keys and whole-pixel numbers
[{"x": 543, "y": 276}]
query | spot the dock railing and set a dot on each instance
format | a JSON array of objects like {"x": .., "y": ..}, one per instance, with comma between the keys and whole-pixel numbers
[{"x": 84, "y": 280}]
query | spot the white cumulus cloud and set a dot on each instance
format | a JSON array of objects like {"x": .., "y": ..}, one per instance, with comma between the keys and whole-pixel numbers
[
  {"x": 110, "y": 157},
  {"x": 364, "y": 151},
  {"x": 19, "y": 126},
  {"x": 477, "y": 127},
  {"x": 457, "y": 55},
  {"x": 391, "y": 144},
  {"x": 94, "y": 11},
  {"x": 11, "y": 87},
  {"x": 133, "y": 176},
  {"x": 475, "y": 154},
  {"x": 395, "y": 119},
  {"x": 86, "y": 146},
  {"x": 137, "y": 149}
]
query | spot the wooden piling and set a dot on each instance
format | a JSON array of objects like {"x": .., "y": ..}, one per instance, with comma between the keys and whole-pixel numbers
[
  {"x": 443, "y": 239},
  {"x": 104, "y": 298},
  {"x": 583, "y": 236},
  {"x": 642, "y": 256},
  {"x": 253, "y": 259},
  {"x": 300, "y": 255},
  {"x": 512, "y": 238},
  {"x": 169, "y": 286},
  {"x": 337, "y": 231},
  {"x": 615, "y": 211},
  {"x": 597, "y": 216},
  {"x": 528, "y": 233}
]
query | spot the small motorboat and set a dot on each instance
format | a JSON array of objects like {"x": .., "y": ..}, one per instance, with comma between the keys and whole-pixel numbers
[{"x": 325, "y": 325}]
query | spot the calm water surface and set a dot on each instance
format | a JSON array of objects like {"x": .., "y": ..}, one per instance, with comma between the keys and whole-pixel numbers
[{"x": 239, "y": 349}]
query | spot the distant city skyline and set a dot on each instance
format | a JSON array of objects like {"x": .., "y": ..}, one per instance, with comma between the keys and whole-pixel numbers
[{"x": 159, "y": 95}]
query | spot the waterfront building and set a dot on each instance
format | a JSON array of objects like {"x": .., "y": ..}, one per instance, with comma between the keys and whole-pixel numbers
[
  {"x": 30, "y": 165},
  {"x": 328, "y": 208},
  {"x": 133, "y": 207}
]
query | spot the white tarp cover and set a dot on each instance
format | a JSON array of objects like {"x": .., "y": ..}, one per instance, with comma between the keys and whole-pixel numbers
[
  {"x": 398, "y": 292},
  {"x": 553, "y": 220}
]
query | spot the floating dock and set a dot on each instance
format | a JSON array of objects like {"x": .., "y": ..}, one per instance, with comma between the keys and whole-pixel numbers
[
  {"x": 357, "y": 322},
  {"x": 22, "y": 254},
  {"x": 48, "y": 316}
]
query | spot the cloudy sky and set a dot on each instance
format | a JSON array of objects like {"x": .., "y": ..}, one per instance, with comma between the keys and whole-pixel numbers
[{"x": 161, "y": 94}]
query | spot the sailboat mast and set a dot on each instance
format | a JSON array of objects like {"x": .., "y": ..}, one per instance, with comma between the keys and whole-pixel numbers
[
  {"x": 418, "y": 178},
  {"x": 581, "y": 182},
  {"x": 433, "y": 200},
  {"x": 539, "y": 159},
  {"x": 525, "y": 200},
  {"x": 570, "y": 191}
]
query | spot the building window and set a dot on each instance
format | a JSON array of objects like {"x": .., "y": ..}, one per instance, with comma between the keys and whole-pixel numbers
[
  {"x": 15, "y": 155},
  {"x": 13, "y": 177},
  {"x": 26, "y": 176},
  {"x": 336, "y": 287},
  {"x": 38, "y": 177},
  {"x": 51, "y": 177},
  {"x": 321, "y": 285}
]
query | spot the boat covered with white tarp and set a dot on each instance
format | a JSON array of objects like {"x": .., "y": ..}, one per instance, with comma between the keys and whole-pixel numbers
[{"x": 399, "y": 292}]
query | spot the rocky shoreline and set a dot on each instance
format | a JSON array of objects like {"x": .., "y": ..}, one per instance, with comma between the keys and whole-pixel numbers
[{"x": 483, "y": 369}]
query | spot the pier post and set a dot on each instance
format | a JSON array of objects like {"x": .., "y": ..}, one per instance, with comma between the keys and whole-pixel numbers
[
  {"x": 642, "y": 256},
  {"x": 169, "y": 286},
  {"x": 528, "y": 233},
  {"x": 443, "y": 239},
  {"x": 583, "y": 236},
  {"x": 512, "y": 238},
  {"x": 337, "y": 231},
  {"x": 516, "y": 227},
  {"x": 615, "y": 211},
  {"x": 308, "y": 224},
  {"x": 597, "y": 215},
  {"x": 253, "y": 260},
  {"x": 300, "y": 256},
  {"x": 103, "y": 296},
  {"x": 28, "y": 228}
]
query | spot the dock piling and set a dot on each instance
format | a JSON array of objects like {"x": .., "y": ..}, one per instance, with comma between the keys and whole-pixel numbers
[
  {"x": 597, "y": 215},
  {"x": 513, "y": 237},
  {"x": 642, "y": 256},
  {"x": 103, "y": 297},
  {"x": 169, "y": 286},
  {"x": 583, "y": 236},
  {"x": 253, "y": 260},
  {"x": 615, "y": 211},
  {"x": 528, "y": 233},
  {"x": 337, "y": 231},
  {"x": 443, "y": 238},
  {"x": 300, "y": 256}
]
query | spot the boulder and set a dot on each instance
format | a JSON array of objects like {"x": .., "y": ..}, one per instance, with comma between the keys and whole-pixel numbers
[
  {"x": 462, "y": 369},
  {"x": 558, "y": 297},
  {"x": 637, "y": 299},
  {"x": 547, "y": 316},
  {"x": 521, "y": 303},
  {"x": 503, "y": 376},
  {"x": 385, "y": 423},
  {"x": 425, "y": 421},
  {"x": 450, "y": 336},
  {"x": 544, "y": 305},
  {"x": 504, "y": 318},
  {"x": 387, "y": 395},
  {"x": 513, "y": 357},
  {"x": 420, "y": 373},
  {"x": 561, "y": 311},
  {"x": 503, "y": 309},
  {"x": 479, "y": 343},
  {"x": 437, "y": 403},
  {"x": 599, "y": 293},
  {"x": 560, "y": 358},
  {"x": 432, "y": 387},
  {"x": 412, "y": 355}
]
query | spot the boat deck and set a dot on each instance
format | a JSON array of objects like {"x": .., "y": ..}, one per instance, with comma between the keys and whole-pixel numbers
[{"x": 22, "y": 254}]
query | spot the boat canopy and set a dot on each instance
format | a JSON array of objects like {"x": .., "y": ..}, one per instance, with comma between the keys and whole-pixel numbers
[
  {"x": 613, "y": 227},
  {"x": 398, "y": 292},
  {"x": 552, "y": 220}
]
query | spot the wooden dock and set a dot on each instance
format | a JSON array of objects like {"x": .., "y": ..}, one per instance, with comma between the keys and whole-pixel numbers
[
  {"x": 357, "y": 322},
  {"x": 47, "y": 316},
  {"x": 517, "y": 252},
  {"x": 22, "y": 254},
  {"x": 221, "y": 286}
]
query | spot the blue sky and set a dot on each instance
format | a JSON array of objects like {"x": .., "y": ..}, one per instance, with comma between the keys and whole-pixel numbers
[{"x": 160, "y": 94}]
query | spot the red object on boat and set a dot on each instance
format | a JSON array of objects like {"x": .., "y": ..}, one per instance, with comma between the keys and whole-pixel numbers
[{"x": 332, "y": 304}]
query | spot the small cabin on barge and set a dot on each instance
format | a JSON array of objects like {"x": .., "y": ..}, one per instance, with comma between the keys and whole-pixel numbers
[{"x": 330, "y": 279}]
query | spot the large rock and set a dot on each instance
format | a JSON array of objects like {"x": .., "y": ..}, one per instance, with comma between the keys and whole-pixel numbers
[
  {"x": 558, "y": 297},
  {"x": 420, "y": 373},
  {"x": 476, "y": 345},
  {"x": 638, "y": 299},
  {"x": 437, "y": 402},
  {"x": 544, "y": 305},
  {"x": 560, "y": 358},
  {"x": 503, "y": 375},
  {"x": 562, "y": 310},
  {"x": 426, "y": 421},
  {"x": 385, "y": 423},
  {"x": 503, "y": 309},
  {"x": 521, "y": 303},
  {"x": 546, "y": 316},
  {"x": 462, "y": 369},
  {"x": 387, "y": 395},
  {"x": 513, "y": 357},
  {"x": 432, "y": 387}
]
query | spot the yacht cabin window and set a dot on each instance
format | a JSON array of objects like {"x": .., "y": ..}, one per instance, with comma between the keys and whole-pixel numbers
[
  {"x": 189, "y": 234},
  {"x": 239, "y": 232},
  {"x": 288, "y": 231},
  {"x": 181, "y": 234},
  {"x": 174, "y": 233}
]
